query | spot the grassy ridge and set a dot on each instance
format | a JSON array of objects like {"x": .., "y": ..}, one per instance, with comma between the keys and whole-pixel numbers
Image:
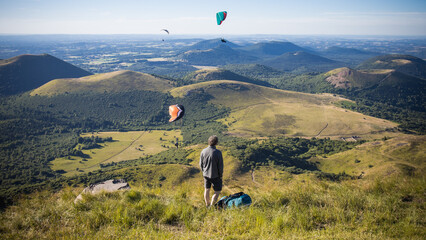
[
  {"x": 387, "y": 209},
  {"x": 119, "y": 81}
]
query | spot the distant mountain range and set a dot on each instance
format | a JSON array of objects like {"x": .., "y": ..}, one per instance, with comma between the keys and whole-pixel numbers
[
  {"x": 219, "y": 55},
  {"x": 341, "y": 50},
  {"x": 279, "y": 55},
  {"x": 301, "y": 60},
  {"x": 403, "y": 63},
  {"x": 272, "y": 49},
  {"x": 209, "y": 44},
  {"x": 282, "y": 56},
  {"x": 26, "y": 72},
  {"x": 351, "y": 56}
]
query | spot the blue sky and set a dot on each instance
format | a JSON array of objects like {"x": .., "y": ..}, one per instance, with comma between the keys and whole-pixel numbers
[{"x": 334, "y": 17}]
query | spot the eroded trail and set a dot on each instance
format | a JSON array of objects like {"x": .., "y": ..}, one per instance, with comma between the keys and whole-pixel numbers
[
  {"x": 118, "y": 153},
  {"x": 252, "y": 176},
  {"x": 319, "y": 133},
  {"x": 124, "y": 148}
]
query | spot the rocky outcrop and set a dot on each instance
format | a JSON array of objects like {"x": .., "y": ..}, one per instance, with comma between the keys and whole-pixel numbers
[{"x": 106, "y": 186}]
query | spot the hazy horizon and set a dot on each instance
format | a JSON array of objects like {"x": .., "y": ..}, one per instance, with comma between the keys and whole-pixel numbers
[{"x": 269, "y": 17}]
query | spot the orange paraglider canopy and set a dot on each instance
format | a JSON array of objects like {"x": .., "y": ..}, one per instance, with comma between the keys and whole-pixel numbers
[{"x": 176, "y": 112}]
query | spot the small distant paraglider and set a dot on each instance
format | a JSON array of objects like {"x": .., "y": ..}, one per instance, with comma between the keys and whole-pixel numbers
[
  {"x": 176, "y": 112},
  {"x": 177, "y": 143},
  {"x": 220, "y": 17},
  {"x": 165, "y": 30}
]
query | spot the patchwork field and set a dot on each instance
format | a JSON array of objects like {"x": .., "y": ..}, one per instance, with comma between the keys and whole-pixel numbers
[{"x": 125, "y": 146}]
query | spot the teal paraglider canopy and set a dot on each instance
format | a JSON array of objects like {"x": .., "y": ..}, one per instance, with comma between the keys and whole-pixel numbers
[{"x": 220, "y": 17}]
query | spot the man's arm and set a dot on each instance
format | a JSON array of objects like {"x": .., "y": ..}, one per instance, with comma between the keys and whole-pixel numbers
[
  {"x": 201, "y": 161},
  {"x": 220, "y": 165}
]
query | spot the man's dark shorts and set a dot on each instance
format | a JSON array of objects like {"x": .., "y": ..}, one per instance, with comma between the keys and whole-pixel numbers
[{"x": 217, "y": 183}]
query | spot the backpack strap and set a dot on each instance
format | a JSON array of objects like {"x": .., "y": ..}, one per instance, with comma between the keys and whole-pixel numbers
[{"x": 235, "y": 195}]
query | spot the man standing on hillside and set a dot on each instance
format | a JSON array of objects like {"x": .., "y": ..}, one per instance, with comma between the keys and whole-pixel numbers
[{"x": 211, "y": 164}]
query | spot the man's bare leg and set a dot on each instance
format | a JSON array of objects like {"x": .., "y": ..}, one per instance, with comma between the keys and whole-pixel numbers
[
  {"x": 207, "y": 196},
  {"x": 215, "y": 197}
]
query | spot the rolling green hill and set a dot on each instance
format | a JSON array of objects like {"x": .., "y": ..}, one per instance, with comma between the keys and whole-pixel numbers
[
  {"x": 26, "y": 72},
  {"x": 387, "y": 86},
  {"x": 349, "y": 78},
  {"x": 262, "y": 111},
  {"x": 220, "y": 74},
  {"x": 119, "y": 81},
  {"x": 402, "y": 63}
]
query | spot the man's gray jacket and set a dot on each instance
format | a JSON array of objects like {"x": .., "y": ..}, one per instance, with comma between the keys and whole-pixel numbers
[{"x": 211, "y": 162}]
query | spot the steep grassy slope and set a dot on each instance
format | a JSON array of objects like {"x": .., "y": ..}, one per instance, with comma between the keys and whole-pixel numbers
[
  {"x": 119, "y": 81},
  {"x": 261, "y": 111},
  {"x": 26, "y": 72},
  {"x": 166, "y": 203},
  {"x": 348, "y": 78},
  {"x": 401, "y": 155}
]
